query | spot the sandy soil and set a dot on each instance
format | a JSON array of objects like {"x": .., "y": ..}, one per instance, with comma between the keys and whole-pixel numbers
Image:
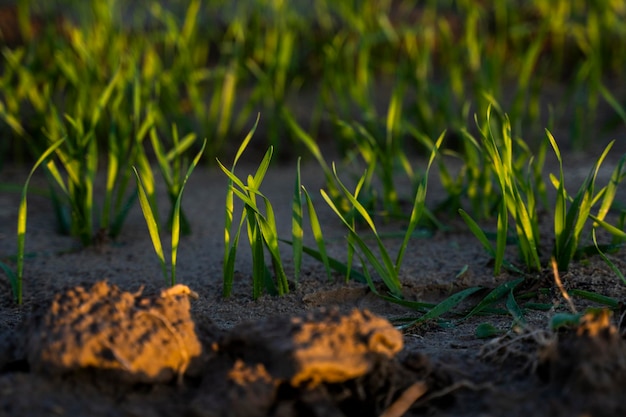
[{"x": 244, "y": 357}]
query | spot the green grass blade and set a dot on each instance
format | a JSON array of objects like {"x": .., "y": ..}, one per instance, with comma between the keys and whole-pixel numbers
[
  {"x": 596, "y": 298},
  {"x": 610, "y": 98},
  {"x": 514, "y": 309},
  {"x": 270, "y": 237},
  {"x": 447, "y": 305},
  {"x": 176, "y": 215},
  {"x": 153, "y": 227},
  {"x": 258, "y": 259},
  {"x": 610, "y": 191},
  {"x": 607, "y": 260},
  {"x": 12, "y": 276},
  {"x": 478, "y": 232},
  {"x": 385, "y": 271},
  {"x": 495, "y": 295},
  {"x": 229, "y": 260},
  {"x": 316, "y": 228},
  {"x": 245, "y": 142},
  {"x": 22, "y": 217},
  {"x": 419, "y": 204},
  {"x": 618, "y": 233},
  {"x": 104, "y": 98},
  {"x": 297, "y": 232},
  {"x": 501, "y": 238},
  {"x": 159, "y": 152},
  {"x": 259, "y": 175}
]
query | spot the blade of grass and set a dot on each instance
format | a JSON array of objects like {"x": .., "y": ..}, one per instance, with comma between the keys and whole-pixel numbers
[
  {"x": 514, "y": 309},
  {"x": 495, "y": 295},
  {"x": 316, "y": 228},
  {"x": 595, "y": 297},
  {"x": 21, "y": 221},
  {"x": 444, "y": 306},
  {"x": 153, "y": 226},
  {"x": 419, "y": 203},
  {"x": 176, "y": 214},
  {"x": 297, "y": 232},
  {"x": 230, "y": 248},
  {"x": 607, "y": 260}
]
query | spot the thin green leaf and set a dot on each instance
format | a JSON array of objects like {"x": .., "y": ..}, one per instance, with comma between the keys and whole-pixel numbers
[
  {"x": 153, "y": 227},
  {"x": 514, "y": 309},
  {"x": 176, "y": 216},
  {"x": 316, "y": 228},
  {"x": 22, "y": 216},
  {"x": 595, "y": 297},
  {"x": 607, "y": 260},
  {"x": 487, "y": 331},
  {"x": 447, "y": 305},
  {"x": 297, "y": 232},
  {"x": 495, "y": 295}
]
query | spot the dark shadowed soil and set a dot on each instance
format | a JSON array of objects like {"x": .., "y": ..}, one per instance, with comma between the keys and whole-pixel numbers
[{"x": 100, "y": 334}]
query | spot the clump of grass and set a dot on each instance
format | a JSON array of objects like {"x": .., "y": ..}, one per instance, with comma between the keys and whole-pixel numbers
[
  {"x": 570, "y": 222},
  {"x": 518, "y": 199},
  {"x": 261, "y": 227},
  {"x": 387, "y": 269},
  {"x": 149, "y": 213}
]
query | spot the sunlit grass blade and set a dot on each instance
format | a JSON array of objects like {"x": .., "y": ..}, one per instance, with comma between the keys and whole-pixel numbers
[
  {"x": 419, "y": 203},
  {"x": 316, "y": 229},
  {"x": 569, "y": 222},
  {"x": 176, "y": 214},
  {"x": 386, "y": 269},
  {"x": 153, "y": 226},
  {"x": 230, "y": 245},
  {"x": 313, "y": 147},
  {"x": 21, "y": 222}
]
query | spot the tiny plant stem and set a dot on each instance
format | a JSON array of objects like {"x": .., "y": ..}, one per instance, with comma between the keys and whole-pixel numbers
[{"x": 297, "y": 232}]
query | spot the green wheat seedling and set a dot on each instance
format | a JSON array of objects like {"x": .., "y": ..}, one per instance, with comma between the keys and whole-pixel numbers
[
  {"x": 387, "y": 269},
  {"x": 261, "y": 228},
  {"x": 79, "y": 159},
  {"x": 569, "y": 222},
  {"x": 518, "y": 195},
  {"x": 153, "y": 225},
  {"x": 16, "y": 277}
]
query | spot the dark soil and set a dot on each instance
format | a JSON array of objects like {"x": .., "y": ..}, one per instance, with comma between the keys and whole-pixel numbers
[{"x": 99, "y": 336}]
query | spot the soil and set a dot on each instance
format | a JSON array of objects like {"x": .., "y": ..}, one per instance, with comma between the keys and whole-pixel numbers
[{"x": 100, "y": 332}]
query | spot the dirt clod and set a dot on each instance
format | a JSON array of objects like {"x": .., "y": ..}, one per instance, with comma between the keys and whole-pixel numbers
[
  {"x": 138, "y": 338},
  {"x": 323, "y": 347}
]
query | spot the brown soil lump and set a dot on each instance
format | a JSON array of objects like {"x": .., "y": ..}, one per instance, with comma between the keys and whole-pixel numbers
[
  {"x": 323, "y": 347},
  {"x": 139, "y": 338}
]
